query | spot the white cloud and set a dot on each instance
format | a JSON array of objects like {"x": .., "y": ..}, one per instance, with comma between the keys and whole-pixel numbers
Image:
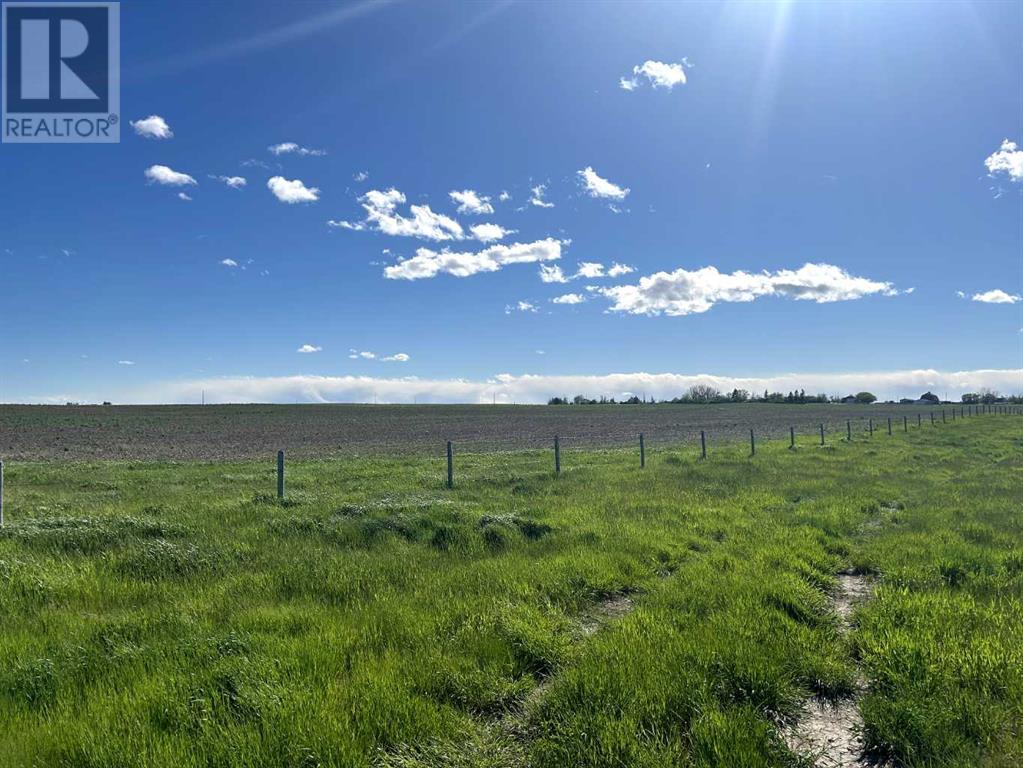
[
  {"x": 355, "y": 354},
  {"x": 657, "y": 73},
  {"x": 537, "y": 197},
  {"x": 529, "y": 388},
  {"x": 997, "y": 296},
  {"x": 291, "y": 148},
  {"x": 471, "y": 202},
  {"x": 488, "y": 233},
  {"x": 307, "y": 349},
  {"x": 126, "y": 362},
  {"x": 183, "y": 196},
  {"x": 152, "y": 127},
  {"x": 292, "y": 191},
  {"x": 234, "y": 182},
  {"x": 504, "y": 197},
  {"x": 596, "y": 186},
  {"x": 619, "y": 269},
  {"x": 427, "y": 263},
  {"x": 589, "y": 269},
  {"x": 382, "y": 215},
  {"x": 360, "y": 176},
  {"x": 569, "y": 298},
  {"x": 521, "y": 306},
  {"x": 161, "y": 174},
  {"x": 229, "y": 262},
  {"x": 685, "y": 292},
  {"x": 1007, "y": 160},
  {"x": 398, "y": 357},
  {"x": 551, "y": 273}
]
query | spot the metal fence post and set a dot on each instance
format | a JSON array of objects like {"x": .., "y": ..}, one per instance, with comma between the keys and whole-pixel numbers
[
  {"x": 642, "y": 452},
  {"x": 905, "y": 423},
  {"x": 822, "y": 435},
  {"x": 703, "y": 444},
  {"x": 792, "y": 437},
  {"x": 280, "y": 474},
  {"x": 919, "y": 420},
  {"x": 848, "y": 431},
  {"x": 889, "y": 426},
  {"x": 752, "y": 444},
  {"x": 870, "y": 425},
  {"x": 557, "y": 455},
  {"x": 451, "y": 467}
]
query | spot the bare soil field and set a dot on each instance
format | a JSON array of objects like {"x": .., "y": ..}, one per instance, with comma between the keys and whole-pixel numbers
[{"x": 226, "y": 432}]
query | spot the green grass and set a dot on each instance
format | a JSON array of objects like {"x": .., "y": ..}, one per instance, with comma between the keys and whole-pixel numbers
[{"x": 178, "y": 615}]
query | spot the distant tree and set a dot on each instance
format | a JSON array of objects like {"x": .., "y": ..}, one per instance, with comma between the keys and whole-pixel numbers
[
  {"x": 702, "y": 393},
  {"x": 739, "y": 396},
  {"x": 989, "y": 396},
  {"x": 970, "y": 398},
  {"x": 557, "y": 401},
  {"x": 865, "y": 397}
]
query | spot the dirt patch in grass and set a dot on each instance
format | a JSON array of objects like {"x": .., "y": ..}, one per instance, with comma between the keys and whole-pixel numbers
[{"x": 830, "y": 733}]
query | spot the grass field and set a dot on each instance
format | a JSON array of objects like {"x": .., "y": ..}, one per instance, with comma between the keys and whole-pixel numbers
[{"x": 178, "y": 615}]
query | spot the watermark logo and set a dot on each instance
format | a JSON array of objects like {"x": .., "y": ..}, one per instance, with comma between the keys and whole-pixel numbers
[{"x": 61, "y": 73}]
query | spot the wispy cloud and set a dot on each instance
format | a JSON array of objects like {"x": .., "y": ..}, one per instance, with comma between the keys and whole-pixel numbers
[
  {"x": 360, "y": 176},
  {"x": 427, "y": 263},
  {"x": 471, "y": 202},
  {"x": 536, "y": 197},
  {"x": 184, "y": 196},
  {"x": 161, "y": 174},
  {"x": 686, "y": 292},
  {"x": 152, "y": 127},
  {"x": 292, "y": 191},
  {"x": 291, "y": 148},
  {"x": 234, "y": 182},
  {"x": 599, "y": 187},
  {"x": 397, "y": 357},
  {"x": 229, "y": 262},
  {"x": 126, "y": 362},
  {"x": 521, "y": 306}
]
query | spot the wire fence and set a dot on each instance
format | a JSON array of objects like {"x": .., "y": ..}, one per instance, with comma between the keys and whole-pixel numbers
[{"x": 550, "y": 453}]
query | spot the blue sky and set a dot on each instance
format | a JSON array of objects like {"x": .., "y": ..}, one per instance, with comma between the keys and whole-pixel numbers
[{"x": 752, "y": 139}]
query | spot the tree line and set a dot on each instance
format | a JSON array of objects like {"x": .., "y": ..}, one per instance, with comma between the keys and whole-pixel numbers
[{"x": 704, "y": 394}]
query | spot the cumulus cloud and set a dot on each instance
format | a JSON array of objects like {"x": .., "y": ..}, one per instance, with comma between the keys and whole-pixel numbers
[
  {"x": 291, "y": 148},
  {"x": 1008, "y": 160},
  {"x": 161, "y": 174},
  {"x": 382, "y": 215},
  {"x": 152, "y": 127},
  {"x": 596, "y": 186},
  {"x": 427, "y": 263},
  {"x": 308, "y": 349},
  {"x": 292, "y": 191},
  {"x": 471, "y": 202},
  {"x": 657, "y": 73},
  {"x": 504, "y": 197},
  {"x": 552, "y": 273},
  {"x": 398, "y": 357},
  {"x": 229, "y": 262},
  {"x": 537, "y": 197},
  {"x": 619, "y": 269},
  {"x": 685, "y": 292},
  {"x": 569, "y": 298},
  {"x": 997, "y": 296},
  {"x": 589, "y": 269},
  {"x": 234, "y": 182},
  {"x": 488, "y": 233},
  {"x": 538, "y": 389}
]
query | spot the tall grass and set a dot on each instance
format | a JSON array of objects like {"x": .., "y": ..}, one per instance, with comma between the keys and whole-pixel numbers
[{"x": 179, "y": 615}]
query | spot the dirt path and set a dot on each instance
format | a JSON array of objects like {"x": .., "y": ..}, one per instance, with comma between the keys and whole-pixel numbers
[{"x": 830, "y": 733}]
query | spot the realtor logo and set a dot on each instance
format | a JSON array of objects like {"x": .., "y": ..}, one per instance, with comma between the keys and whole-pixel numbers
[{"x": 61, "y": 73}]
